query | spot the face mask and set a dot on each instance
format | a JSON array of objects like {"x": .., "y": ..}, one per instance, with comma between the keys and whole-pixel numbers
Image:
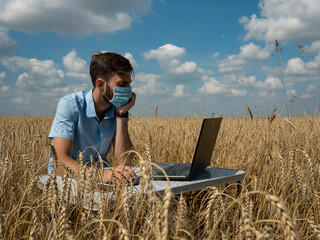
[{"x": 121, "y": 96}]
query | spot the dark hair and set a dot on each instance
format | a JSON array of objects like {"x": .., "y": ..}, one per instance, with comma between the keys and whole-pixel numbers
[{"x": 105, "y": 64}]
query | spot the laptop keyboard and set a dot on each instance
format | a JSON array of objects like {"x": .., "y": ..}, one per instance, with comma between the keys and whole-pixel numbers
[{"x": 181, "y": 169}]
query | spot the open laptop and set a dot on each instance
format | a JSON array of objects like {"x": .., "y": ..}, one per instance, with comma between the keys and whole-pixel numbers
[{"x": 201, "y": 158}]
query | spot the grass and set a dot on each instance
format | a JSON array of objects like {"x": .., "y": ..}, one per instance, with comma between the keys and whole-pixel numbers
[{"x": 279, "y": 198}]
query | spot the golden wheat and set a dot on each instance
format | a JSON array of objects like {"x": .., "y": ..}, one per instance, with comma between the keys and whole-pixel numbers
[{"x": 279, "y": 197}]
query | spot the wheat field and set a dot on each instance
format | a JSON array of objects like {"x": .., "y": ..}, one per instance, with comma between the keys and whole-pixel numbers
[{"x": 279, "y": 197}]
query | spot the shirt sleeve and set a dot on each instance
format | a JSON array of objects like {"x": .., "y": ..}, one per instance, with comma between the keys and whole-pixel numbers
[{"x": 64, "y": 121}]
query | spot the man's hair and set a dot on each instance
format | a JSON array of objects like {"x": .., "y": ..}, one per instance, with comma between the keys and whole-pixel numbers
[{"x": 106, "y": 64}]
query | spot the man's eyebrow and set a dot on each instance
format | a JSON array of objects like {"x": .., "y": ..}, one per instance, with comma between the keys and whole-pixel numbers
[{"x": 124, "y": 82}]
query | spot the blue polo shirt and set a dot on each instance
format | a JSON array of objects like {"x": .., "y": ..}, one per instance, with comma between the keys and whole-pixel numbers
[{"x": 76, "y": 119}]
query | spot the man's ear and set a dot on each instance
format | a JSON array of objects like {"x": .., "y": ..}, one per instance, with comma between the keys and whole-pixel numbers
[{"x": 100, "y": 83}]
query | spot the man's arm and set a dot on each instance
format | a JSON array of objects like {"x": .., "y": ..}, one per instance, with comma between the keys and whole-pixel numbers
[
  {"x": 63, "y": 148},
  {"x": 122, "y": 141}
]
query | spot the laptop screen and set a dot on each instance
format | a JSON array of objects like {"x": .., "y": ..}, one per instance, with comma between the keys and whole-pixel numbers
[{"x": 206, "y": 141}]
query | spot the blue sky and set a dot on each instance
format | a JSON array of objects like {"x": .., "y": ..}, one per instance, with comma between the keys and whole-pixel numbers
[{"x": 189, "y": 56}]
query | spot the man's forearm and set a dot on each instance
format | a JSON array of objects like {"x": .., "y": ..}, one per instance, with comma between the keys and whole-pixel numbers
[
  {"x": 69, "y": 162},
  {"x": 123, "y": 143}
]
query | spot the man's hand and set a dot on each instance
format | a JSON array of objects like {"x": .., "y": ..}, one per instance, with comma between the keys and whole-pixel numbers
[
  {"x": 127, "y": 107},
  {"x": 121, "y": 174}
]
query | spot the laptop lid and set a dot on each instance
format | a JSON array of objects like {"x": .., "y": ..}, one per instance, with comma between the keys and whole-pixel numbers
[
  {"x": 206, "y": 142},
  {"x": 202, "y": 154}
]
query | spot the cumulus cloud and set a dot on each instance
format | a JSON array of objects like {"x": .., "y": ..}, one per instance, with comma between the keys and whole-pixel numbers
[
  {"x": 251, "y": 51},
  {"x": 36, "y": 73},
  {"x": 3, "y": 87},
  {"x": 74, "y": 16},
  {"x": 310, "y": 91},
  {"x": 311, "y": 88},
  {"x": 306, "y": 95},
  {"x": 215, "y": 55},
  {"x": 148, "y": 84},
  {"x": 248, "y": 52},
  {"x": 170, "y": 57},
  {"x": 166, "y": 55},
  {"x": 187, "y": 67},
  {"x": 297, "y": 70},
  {"x": 130, "y": 57},
  {"x": 315, "y": 46},
  {"x": 2, "y": 77},
  {"x": 248, "y": 82},
  {"x": 7, "y": 44},
  {"x": 179, "y": 91},
  {"x": 292, "y": 92},
  {"x": 20, "y": 100},
  {"x": 238, "y": 92},
  {"x": 270, "y": 83},
  {"x": 232, "y": 63},
  {"x": 285, "y": 20},
  {"x": 76, "y": 67},
  {"x": 212, "y": 86}
]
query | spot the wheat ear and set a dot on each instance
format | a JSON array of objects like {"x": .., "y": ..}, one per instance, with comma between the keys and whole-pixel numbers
[
  {"x": 285, "y": 218},
  {"x": 165, "y": 217}
]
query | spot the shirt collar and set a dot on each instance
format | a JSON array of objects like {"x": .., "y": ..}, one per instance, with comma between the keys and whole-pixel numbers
[{"x": 91, "y": 110}]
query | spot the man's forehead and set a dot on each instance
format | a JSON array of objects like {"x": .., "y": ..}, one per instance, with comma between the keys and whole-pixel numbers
[{"x": 122, "y": 78}]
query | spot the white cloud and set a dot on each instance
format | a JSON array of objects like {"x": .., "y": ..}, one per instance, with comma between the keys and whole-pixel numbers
[
  {"x": 295, "y": 66},
  {"x": 238, "y": 92},
  {"x": 20, "y": 100},
  {"x": 264, "y": 94},
  {"x": 187, "y": 67},
  {"x": 315, "y": 46},
  {"x": 215, "y": 55},
  {"x": 148, "y": 84},
  {"x": 36, "y": 74},
  {"x": 74, "y": 16},
  {"x": 231, "y": 64},
  {"x": 291, "y": 92},
  {"x": 270, "y": 83},
  {"x": 286, "y": 20},
  {"x": 166, "y": 54},
  {"x": 75, "y": 66},
  {"x": 2, "y": 77},
  {"x": 212, "y": 86},
  {"x": 298, "y": 71},
  {"x": 311, "y": 88},
  {"x": 253, "y": 52},
  {"x": 130, "y": 57},
  {"x": 4, "y": 89},
  {"x": 306, "y": 95},
  {"x": 248, "y": 82},
  {"x": 7, "y": 44},
  {"x": 179, "y": 91},
  {"x": 169, "y": 56},
  {"x": 56, "y": 93},
  {"x": 248, "y": 52}
]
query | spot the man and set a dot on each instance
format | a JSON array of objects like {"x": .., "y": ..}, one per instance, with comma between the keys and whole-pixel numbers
[{"x": 90, "y": 122}]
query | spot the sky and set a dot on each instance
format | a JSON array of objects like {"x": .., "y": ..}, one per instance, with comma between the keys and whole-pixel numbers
[{"x": 190, "y": 57}]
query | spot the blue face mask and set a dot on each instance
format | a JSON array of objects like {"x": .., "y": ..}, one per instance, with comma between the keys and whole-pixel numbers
[{"x": 121, "y": 96}]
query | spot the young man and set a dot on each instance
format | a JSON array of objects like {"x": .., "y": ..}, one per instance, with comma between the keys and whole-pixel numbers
[{"x": 90, "y": 122}]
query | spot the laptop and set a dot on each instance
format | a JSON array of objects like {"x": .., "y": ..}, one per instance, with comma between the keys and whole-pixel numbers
[{"x": 201, "y": 158}]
